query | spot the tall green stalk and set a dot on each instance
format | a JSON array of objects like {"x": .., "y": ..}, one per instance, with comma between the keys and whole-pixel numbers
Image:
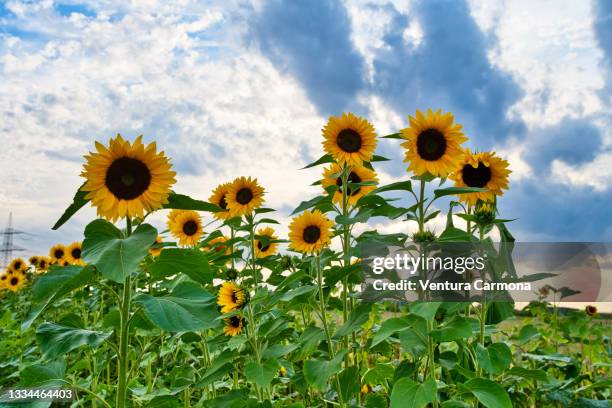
[
  {"x": 346, "y": 247},
  {"x": 124, "y": 315}
]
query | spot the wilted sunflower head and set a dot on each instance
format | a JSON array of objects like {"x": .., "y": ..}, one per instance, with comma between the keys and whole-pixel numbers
[
  {"x": 218, "y": 198},
  {"x": 264, "y": 248},
  {"x": 231, "y": 297},
  {"x": 484, "y": 170},
  {"x": 357, "y": 174},
  {"x": 57, "y": 254},
  {"x": 15, "y": 281},
  {"x": 310, "y": 232},
  {"x": 186, "y": 226},
  {"x": 233, "y": 325},
  {"x": 243, "y": 196},
  {"x": 349, "y": 139},
  {"x": 17, "y": 265},
  {"x": 126, "y": 179},
  {"x": 157, "y": 250},
  {"x": 73, "y": 254},
  {"x": 231, "y": 274},
  {"x": 433, "y": 143},
  {"x": 590, "y": 310}
]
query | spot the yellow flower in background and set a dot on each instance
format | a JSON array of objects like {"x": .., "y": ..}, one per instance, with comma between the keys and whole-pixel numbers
[
  {"x": 186, "y": 226},
  {"x": 310, "y": 232},
  {"x": 349, "y": 139},
  {"x": 433, "y": 143},
  {"x": 127, "y": 179},
  {"x": 34, "y": 260},
  {"x": 243, "y": 196},
  {"x": 358, "y": 174},
  {"x": 73, "y": 254},
  {"x": 17, "y": 265},
  {"x": 157, "y": 251},
  {"x": 218, "y": 245},
  {"x": 264, "y": 249},
  {"x": 484, "y": 170},
  {"x": 218, "y": 198},
  {"x": 234, "y": 325},
  {"x": 4, "y": 279},
  {"x": 43, "y": 265},
  {"x": 231, "y": 297},
  {"x": 15, "y": 281},
  {"x": 57, "y": 254}
]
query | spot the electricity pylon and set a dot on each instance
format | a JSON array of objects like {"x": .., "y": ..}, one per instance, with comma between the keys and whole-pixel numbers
[{"x": 7, "y": 249}]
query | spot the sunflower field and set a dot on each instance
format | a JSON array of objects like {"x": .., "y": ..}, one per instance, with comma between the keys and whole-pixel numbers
[{"x": 217, "y": 309}]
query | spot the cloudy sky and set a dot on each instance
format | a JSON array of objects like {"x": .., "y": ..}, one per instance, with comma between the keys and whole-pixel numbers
[{"x": 238, "y": 87}]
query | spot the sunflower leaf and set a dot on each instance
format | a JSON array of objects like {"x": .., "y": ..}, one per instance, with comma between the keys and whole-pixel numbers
[
  {"x": 183, "y": 202},
  {"x": 305, "y": 205},
  {"x": 441, "y": 192},
  {"x": 400, "y": 185},
  {"x": 377, "y": 158},
  {"x": 78, "y": 202},
  {"x": 322, "y": 160},
  {"x": 392, "y": 136}
]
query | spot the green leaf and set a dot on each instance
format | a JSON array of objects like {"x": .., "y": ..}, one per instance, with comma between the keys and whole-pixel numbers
[
  {"x": 407, "y": 393},
  {"x": 456, "y": 329},
  {"x": 489, "y": 393},
  {"x": 495, "y": 358},
  {"x": 78, "y": 202},
  {"x": 48, "y": 375},
  {"x": 400, "y": 185},
  {"x": 527, "y": 333},
  {"x": 427, "y": 310},
  {"x": 379, "y": 374},
  {"x": 392, "y": 136},
  {"x": 390, "y": 326},
  {"x": 453, "y": 234},
  {"x": 115, "y": 256},
  {"x": 355, "y": 320},
  {"x": 455, "y": 404},
  {"x": 183, "y": 202},
  {"x": 539, "y": 375},
  {"x": 305, "y": 205},
  {"x": 441, "y": 192},
  {"x": 188, "y": 308},
  {"x": 317, "y": 372},
  {"x": 54, "y": 285},
  {"x": 349, "y": 382},
  {"x": 362, "y": 216},
  {"x": 191, "y": 262},
  {"x": 54, "y": 339},
  {"x": 261, "y": 374},
  {"x": 299, "y": 291},
  {"x": 377, "y": 158},
  {"x": 321, "y": 160}
]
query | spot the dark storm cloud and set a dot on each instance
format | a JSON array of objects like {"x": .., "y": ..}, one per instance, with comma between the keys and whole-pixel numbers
[{"x": 311, "y": 39}]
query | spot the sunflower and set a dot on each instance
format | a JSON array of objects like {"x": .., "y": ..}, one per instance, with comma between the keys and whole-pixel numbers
[
  {"x": 4, "y": 279},
  {"x": 590, "y": 310},
  {"x": 218, "y": 198},
  {"x": 218, "y": 245},
  {"x": 17, "y": 265},
  {"x": 231, "y": 297},
  {"x": 43, "y": 265},
  {"x": 484, "y": 170},
  {"x": 186, "y": 226},
  {"x": 433, "y": 143},
  {"x": 310, "y": 232},
  {"x": 349, "y": 139},
  {"x": 34, "y": 260},
  {"x": 264, "y": 249},
  {"x": 74, "y": 254},
  {"x": 358, "y": 174},
  {"x": 243, "y": 196},
  {"x": 233, "y": 325},
  {"x": 126, "y": 179},
  {"x": 157, "y": 251},
  {"x": 15, "y": 281},
  {"x": 57, "y": 253}
]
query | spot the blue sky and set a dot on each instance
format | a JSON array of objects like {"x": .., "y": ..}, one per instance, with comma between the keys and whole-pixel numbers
[{"x": 243, "y": 88}]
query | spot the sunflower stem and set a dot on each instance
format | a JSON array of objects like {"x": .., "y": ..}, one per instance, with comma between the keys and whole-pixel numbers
[
  {"x": 124, "y": 315},
  {"x": 346, "y": 247}
]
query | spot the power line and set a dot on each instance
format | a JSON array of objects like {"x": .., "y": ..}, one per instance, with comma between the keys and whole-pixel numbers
[{"x": 7, "y": 248}]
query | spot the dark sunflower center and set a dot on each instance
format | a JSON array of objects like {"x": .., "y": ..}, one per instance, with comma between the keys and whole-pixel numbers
[
  {"x": 349, "y": 140},
  {"x": 58, "y": 253},
  {"x": 76, "y": 253},
  {"x": 190, "y": 228},
  {"x": 42, "y": 264},
  {"x": 223, "y": 202},
  {"x": 431, "y": 144},
  {"x": 352, "y": 178},
  {"x": 244, "y": 196},
  {"x": 476, "y": 177},
  {"x": 235, "y": 321},
  {"x": 311, "y": 234},
  {"x": 234, "y": 296},
  {"x": 17, "y": 265},
  {"x": 127, "y": 178},
  {"x": 14, "y": 281},
  {"x": 262, "y": 247}
]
